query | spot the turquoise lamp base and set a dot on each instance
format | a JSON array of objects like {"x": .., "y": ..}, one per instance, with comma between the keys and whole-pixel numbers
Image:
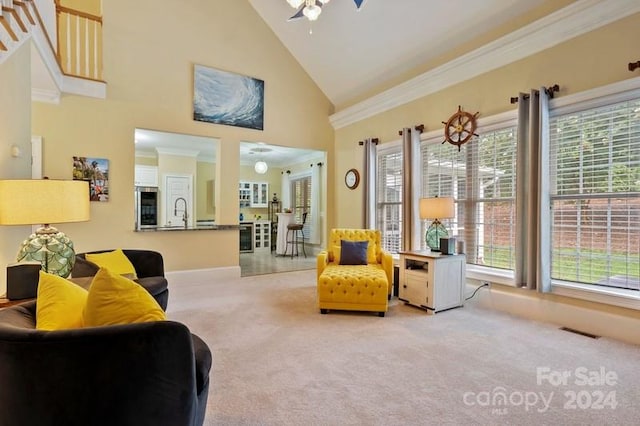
[
  {"x": 53, "y": 249},
  {"x": 435, "y": 231}
]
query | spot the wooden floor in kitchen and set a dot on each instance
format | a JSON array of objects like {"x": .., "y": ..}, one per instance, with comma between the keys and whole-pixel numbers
[{"x": 259, "y": 263}]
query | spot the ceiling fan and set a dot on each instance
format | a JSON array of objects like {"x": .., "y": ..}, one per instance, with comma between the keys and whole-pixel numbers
[{"x": 311, "y": 9}]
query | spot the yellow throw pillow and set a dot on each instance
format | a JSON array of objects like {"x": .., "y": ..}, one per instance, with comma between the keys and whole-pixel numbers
[
  {"x": 114, "y": 299},
  {"x": 59, "y": 303},
  {"x": 116, "y": 261}
]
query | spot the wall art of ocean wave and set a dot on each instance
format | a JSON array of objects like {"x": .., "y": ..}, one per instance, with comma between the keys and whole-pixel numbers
[{"x": 226, "y": 98}]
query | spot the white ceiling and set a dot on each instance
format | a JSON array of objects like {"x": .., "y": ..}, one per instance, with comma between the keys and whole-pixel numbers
[{"x": 352, "y": 52}]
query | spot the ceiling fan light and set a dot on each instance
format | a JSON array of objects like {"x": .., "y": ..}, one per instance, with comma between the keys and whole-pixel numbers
[
  {"x": 312, "y": 12},
  {"x": 295, "y": 3},
  {"x": 261, "y": 167}
]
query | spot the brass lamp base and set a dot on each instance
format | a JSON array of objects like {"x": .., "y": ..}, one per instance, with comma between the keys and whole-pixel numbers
[
  {"x": 435, "y": 231},
  {"x": 52, "y": 248}
]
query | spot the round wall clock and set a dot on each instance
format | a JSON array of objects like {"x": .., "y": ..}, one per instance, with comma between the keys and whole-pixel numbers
[
  {"x": 460, "y": 128},
  {"x": 352, "y": 179}
]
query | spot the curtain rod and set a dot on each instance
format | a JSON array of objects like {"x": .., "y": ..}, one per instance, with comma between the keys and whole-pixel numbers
[
  {"x": 548, "y": 90},
  {"x": 418, "y": 127},
  {"x": 374, "y": 140}
]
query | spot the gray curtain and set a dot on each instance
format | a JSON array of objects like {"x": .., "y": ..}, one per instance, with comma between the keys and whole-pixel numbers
[
  {"x": 533, "y": 233},
  {"x": 410, "y": 188},
  {"x": 543, "y": 283},
  {"x": 369, "y": 183},
  {"x": 522, "y": 191}
]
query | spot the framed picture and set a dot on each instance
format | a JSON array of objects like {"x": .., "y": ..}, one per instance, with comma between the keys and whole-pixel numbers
[
  {"x": 96, "y": 172},
  {"x": 223, "y": 97}
]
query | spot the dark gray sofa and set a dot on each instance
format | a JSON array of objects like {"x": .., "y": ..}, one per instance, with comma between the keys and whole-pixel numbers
[
  {"x": 154, "y": 373},
  {"x": 149, "y": 267}
]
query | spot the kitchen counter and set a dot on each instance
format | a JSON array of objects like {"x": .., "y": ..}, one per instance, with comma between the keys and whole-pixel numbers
[{"x": 190, "y": 228}]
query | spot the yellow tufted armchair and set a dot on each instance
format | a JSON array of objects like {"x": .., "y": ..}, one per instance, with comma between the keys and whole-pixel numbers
[{"x": 354, "y": 287}]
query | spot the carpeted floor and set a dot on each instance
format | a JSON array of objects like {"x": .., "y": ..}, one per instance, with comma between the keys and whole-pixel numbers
[{"x": 277, "y": 361}]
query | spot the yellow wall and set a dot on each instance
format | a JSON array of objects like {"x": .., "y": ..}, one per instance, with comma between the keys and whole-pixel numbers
[
  {"x": 15, "y": 129},
  {"x": 149, "y": 54},
  {"x": 205, "y": 191},
  {"x": 592, "y": 60}
]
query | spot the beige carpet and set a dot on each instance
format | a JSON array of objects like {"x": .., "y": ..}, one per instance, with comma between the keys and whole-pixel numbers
[{"x": 277, "y": 361}]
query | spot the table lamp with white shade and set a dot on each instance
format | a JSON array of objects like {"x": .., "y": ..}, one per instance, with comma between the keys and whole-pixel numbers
[
  {"x": 45, "y": 201},
  {"x": 436, "y": 208}
]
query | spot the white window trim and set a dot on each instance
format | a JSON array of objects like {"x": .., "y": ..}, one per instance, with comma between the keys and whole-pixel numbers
[
  {"x": 613, "y": 93},
  {"x": 486, "y": 124},
  {"x": 611, "y": 296}
]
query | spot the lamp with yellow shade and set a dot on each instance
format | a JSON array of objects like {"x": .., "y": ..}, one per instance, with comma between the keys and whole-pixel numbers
[
  {"x": 46, "y": 201},
  {"x": 436, "y": 208}
]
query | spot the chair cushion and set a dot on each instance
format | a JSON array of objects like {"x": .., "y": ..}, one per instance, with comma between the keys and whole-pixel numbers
[
  {"x": 59, "y": 303},
  {"x": 116, "y": 261},
  {"x": 114, "y": 299}
]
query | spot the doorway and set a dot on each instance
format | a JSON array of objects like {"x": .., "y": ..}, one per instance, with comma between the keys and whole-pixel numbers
[
  {"x": 290, "y": 175},
  {"x": 178, "y": 200}
]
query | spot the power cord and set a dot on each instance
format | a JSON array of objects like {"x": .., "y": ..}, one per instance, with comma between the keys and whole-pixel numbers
[{"x": 476, "y": 290}]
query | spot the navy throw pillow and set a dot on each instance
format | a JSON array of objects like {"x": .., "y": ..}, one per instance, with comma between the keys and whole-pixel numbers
[{"x": 353, "y": 252}]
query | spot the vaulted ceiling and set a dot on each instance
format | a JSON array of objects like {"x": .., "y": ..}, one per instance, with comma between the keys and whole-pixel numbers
[{"x": 351, "y": 53}]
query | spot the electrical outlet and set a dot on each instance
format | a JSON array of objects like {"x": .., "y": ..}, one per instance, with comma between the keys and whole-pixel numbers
[{"x": 486, "y": 283}]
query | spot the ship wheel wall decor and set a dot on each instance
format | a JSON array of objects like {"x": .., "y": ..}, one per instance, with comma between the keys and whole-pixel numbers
[{"x": 460, "y": 128}]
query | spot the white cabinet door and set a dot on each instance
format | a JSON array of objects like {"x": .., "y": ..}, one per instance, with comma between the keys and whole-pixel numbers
[
  {"x": 260, "y": 194},
  {"x": 146, "y": 176}
]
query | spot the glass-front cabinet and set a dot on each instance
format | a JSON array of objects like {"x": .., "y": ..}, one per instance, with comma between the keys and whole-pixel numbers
[
  {"x": 254, "y": 194},
  {"x": 244, "y": 194},
  {"x": 259, "y": 194}
]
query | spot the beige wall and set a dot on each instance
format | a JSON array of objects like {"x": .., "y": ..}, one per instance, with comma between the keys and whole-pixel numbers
[
  {"x": 15, "y": 130},
  {"x": 149, "y": 54},
  {"x": 594, "y": 59},
  {"x": 205, "y": 191}
]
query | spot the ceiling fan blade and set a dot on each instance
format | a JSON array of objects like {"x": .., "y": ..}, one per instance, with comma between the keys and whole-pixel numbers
[
  {"x": 298, "y": 14},
  {"x": 359, "y": 3}
]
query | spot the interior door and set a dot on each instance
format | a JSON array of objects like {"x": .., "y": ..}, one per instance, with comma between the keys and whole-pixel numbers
[{"x": 178, "y": 196}]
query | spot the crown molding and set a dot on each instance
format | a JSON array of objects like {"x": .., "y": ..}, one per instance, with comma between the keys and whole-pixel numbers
[{"x": 574, "y": 20}]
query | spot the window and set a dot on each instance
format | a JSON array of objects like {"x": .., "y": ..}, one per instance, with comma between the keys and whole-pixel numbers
[
  {"x": 389, "y": 198},
  {"x": 595, "y": 195},
  {"x": 301, "y": 193},
  {"x": 481, "y": 178}
]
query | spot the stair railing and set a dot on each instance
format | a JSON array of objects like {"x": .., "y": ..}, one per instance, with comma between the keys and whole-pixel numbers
[{"x": 79, "y": 43}]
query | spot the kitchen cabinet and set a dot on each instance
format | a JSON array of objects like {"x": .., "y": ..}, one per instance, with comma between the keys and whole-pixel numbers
[
  {"x": 244, "y": 194},
  {"x": 253, "y": 194},
  {"x": 146, "y": 175},
  {"x": 431, "y": 280},
  {"x": 262, "y": 235},
  {"x": 260, "y": 194}
]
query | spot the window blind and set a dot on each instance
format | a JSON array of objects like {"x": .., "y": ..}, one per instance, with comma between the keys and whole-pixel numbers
[
  {"x": 389, "y": 199},
  {"x": 481, "y": 178},
  {"x": 595, "y": 195},
  {"x": 302, "y": 202}
]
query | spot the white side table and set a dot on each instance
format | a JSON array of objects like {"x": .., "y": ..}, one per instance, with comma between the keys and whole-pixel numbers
[
  {"x": 284, "y": 219},
  {"x": 431, "y": 280}
]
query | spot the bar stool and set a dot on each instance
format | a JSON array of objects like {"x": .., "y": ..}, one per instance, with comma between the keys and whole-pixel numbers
[{"x": 293, "y": 240}]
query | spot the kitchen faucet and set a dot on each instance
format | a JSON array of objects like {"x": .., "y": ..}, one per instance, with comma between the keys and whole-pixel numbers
[{"x": 175, "y": 210}]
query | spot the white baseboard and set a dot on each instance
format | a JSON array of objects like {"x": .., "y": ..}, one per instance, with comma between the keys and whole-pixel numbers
[
  {"x": 606, "y": 322},
  {"x": 202, "y": 276}
]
